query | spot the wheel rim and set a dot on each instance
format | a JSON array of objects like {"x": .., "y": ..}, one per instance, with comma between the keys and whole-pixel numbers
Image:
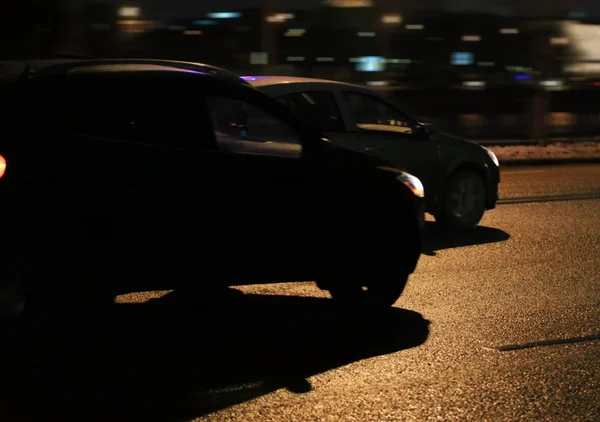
[{"x": 464, "y": 198}]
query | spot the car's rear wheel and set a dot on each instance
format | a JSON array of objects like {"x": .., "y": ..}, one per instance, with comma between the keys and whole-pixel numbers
[
  {"x": 463, "y": 203},
  {"x": 67, "y": 285},
  {"x": 372, "y": 293}
]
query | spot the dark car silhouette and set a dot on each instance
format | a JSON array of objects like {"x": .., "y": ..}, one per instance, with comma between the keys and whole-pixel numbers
[
  {"x": 460, "y": 177},
  {"x": 137, "y": 175}
]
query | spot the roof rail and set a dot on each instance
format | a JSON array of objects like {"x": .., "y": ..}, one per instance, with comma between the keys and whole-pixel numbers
[{"x": 196, "y": 67}]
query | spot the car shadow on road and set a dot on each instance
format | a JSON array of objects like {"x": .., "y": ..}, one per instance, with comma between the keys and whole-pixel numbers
[
  {"x": 169, "y": 360},
  {"x": 436, "y": 237}
]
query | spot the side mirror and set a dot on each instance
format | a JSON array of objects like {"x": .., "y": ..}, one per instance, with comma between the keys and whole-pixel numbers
[
  {"x": 422, "y": 131},
  {"x": 319, "y": 148}
]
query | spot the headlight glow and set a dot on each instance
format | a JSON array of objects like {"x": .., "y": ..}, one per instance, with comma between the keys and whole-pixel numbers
[
  {"x": 492, "y": 156},
  {"x": 413, "y": 183}
]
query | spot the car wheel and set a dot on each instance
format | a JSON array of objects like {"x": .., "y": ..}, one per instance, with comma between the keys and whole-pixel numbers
[
  {"x": 379, "y": 293},
  {"x": 463, "y": 202},
  {"x": 67, "y": 288}
]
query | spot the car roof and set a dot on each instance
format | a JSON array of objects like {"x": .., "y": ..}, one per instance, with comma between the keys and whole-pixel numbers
[
  {"x": 258, "y": 81},
  {"x": 104, "y": 66},
  {"x": 280, "y": 85}
]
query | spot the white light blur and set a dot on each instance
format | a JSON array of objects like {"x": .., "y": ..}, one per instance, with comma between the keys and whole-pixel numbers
[
  {"x": 280, "y": 17},
  {"x": 474, "y": 84},
  {"x": 391, "y": 19},
  {"x": 471, "y": 38},
  {"x": 509, "y": 31},
  {"x": 585, "y": 40},
  {"x": 378, "y": 83},
  {"x": 559, "y": 41},
  {"x": 416, "y": 26},
  {"x": 295, "y": 32},
  {"x": 551, "y": 83},
  {"x": 129, "y": 12}
]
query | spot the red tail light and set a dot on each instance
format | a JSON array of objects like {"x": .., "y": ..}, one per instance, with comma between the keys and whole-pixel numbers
[{"x": 2, "y": 166}]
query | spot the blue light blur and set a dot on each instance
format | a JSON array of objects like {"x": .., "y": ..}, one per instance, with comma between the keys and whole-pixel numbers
[
  {"x": 521, "y": 77},
  {"x": 224, "y": 15},
  {"x": 204, "y": 22},
  {"x": 461, "y": 58},
  {"x": 370, "y": 64}
]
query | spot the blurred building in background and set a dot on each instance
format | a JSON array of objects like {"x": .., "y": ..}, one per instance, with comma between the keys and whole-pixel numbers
[{"x": 539, "y": 51}]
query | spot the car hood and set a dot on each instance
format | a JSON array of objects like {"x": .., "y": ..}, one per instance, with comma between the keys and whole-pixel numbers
[{"x": 447, "y": 137}]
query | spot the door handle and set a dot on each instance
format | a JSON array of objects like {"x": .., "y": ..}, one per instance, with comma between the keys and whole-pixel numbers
[{"x": 373, "y": 148}]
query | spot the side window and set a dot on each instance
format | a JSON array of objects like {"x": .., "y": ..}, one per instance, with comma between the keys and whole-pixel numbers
[
  {"x": 243, "y": 128},
  {"x": 99, "y": 109},
  {"x": 317, "y": 108},
  {"x": 370, "y": 113}
]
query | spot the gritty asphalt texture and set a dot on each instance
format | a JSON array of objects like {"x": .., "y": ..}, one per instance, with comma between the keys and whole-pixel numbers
[{"x": 283, "y": 352}]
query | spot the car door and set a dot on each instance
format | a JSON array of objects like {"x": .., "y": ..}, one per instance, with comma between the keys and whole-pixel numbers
[
  {"x": 378, "y": 128},
  {"x": 222, "y": 188},
  {"x": 267, "y": 182}
]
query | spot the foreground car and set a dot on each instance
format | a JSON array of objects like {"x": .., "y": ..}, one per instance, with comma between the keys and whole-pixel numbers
[
  {"x": 116, "y": 182},
  {"x": 460, "y": 178}
]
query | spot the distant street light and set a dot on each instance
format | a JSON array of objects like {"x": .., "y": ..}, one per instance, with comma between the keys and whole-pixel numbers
[
  {"x": 391, "y": 19},
  {"x": 129, "y": 11}
]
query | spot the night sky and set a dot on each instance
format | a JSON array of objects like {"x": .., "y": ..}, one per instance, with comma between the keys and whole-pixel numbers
[{"x": 170, "y": 8}]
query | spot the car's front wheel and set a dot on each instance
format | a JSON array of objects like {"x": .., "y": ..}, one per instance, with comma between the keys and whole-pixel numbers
[{"x": 463, "y": 202}]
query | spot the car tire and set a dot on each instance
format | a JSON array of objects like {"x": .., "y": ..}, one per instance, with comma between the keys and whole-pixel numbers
[
  {"x": 378, "y": 294},
  {"x": 66, "y": 288},
  {"x": 462, "y": 204}
]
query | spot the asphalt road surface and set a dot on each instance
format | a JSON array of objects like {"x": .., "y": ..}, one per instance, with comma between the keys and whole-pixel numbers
[{"x": 499, "y": 323}]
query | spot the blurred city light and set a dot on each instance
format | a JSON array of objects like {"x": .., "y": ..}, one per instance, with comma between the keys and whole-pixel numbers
[
  {"x": 522, "y": 77},
  {"x": 370, "y": 64},
  {"x": 471, "y": 38},
  {"x": 224, "y": 15},
  {"x": 204, "y": 22},
  {"x": 391, "y": 19},
  {"x": 559, "y": 41},
  {"x": 325, "y": 59},
  {"x": 378, "y": 83},
  {"x": 461, "y": 58},
  {"x": 192, "y": 32},
  {"x": 366, "y": 34},
  {"x": 508, "y": 31},
  {"x": 416, "y": 26},
  {"x": 129, "y": 12},
  {"x": 552, "y": 84},
  {"x": 474, "y": 84},
  {"x": 295, "y": 32},
  {"x": 280, "y": 17}
]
